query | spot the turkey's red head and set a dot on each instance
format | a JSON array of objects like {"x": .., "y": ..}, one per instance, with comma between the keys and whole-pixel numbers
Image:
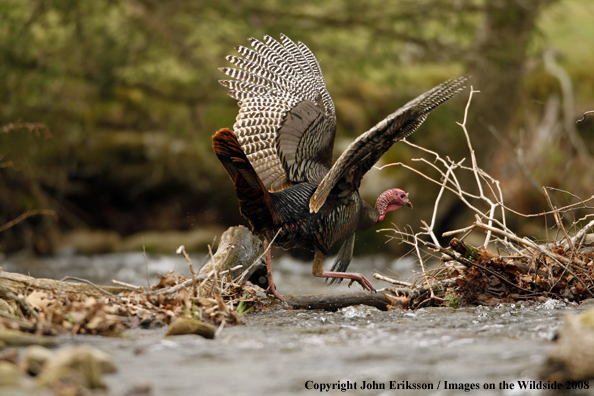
[{"x": 391, "y": 200}]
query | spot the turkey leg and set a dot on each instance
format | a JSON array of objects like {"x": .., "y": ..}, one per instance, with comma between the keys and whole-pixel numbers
[
  {"x": 318, "y": 270},
  {"x": 271, "y": 288}
]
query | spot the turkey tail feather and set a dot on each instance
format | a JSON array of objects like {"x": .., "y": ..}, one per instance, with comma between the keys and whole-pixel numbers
[{"x": 254, "y": 199}]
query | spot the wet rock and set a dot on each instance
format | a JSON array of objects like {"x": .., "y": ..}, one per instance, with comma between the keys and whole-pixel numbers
[
  {"x": 35, "y": 357},
  {"x": 10, "y": 375},
  {"x": 572, "y": 357},
  {"x": 146, "y": 323},
  {"x": 151, "y": 322},
  {"x": 84, "y": 365},
  {"x": 19, "y": 338},
  {"x": 587, "y": 304},
  {"x": 587, "y": 318},
  {"x": 190, "y": 326}
]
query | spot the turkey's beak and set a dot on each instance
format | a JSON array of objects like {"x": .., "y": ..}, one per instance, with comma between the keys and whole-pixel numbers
[{"x": 409, "y": 204}]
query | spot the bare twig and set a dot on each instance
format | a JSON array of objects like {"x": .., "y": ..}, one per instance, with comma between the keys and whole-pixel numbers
[
  {"x": 220, "y": 328},
  {"x": 581, "y": 233},
  {"x": 420, "y": 289},
  {"x": 88, "y": 282},
  {"x": 584, "y": 117},
  {"x": 28, "y": 213},
  {"x": 392, "y": 280},
  {"x": 128, "y": 285},
  {"x": 182, "y": 250},
  {"x": 176, "y": 288}
]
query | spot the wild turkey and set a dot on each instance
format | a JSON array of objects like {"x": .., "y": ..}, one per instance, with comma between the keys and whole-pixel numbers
[{"x": 280, "y": 154}]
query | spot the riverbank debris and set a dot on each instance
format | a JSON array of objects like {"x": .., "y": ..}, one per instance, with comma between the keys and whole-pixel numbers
[
  {"x": 505, "y": 267},
  {"x": 217, "y": 294}
]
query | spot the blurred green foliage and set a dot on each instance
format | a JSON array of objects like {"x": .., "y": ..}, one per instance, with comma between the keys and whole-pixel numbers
[{"x": 129, "y": 91}]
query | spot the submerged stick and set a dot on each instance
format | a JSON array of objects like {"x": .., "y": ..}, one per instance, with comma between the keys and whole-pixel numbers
[{"x": 333, "y": 302}]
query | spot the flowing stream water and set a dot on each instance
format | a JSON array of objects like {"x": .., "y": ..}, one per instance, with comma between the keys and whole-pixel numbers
[{"x": 354, "y": 351}]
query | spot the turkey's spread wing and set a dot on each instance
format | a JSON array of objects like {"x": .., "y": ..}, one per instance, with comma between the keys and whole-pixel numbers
[
  {"x": 275, "y": 86},
  {"x": 305, "y": 142},
  {"x": 366, "y": 150}
]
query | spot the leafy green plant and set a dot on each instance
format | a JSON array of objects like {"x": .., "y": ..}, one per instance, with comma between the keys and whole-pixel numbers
[
  {"x": 242, "y": 308},
  {"x": 452, "y": 300}
]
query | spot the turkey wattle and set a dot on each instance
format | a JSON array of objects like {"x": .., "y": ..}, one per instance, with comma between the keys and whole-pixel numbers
[{"x": 279, "y": 155}]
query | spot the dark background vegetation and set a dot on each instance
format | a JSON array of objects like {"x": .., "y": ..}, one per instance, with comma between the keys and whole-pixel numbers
[{"x": 124, "y": 99}]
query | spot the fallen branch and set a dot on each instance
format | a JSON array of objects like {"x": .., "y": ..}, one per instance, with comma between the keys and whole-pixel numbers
[
  {"x": 333, "y": 302},
  {"x": 81, "y": 280},
  {"x": 19, "y": 284}
]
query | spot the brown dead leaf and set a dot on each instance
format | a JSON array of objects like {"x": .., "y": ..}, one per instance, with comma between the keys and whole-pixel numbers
[
  {"x": 579, "y": 288},
  {"x": 40, "y": 300},
  {"x": 167, "y": 280},
  {"x": 76, "y": 316},
  {"x": 183, "y": 296},
  {"x": 90, "y": 302}
]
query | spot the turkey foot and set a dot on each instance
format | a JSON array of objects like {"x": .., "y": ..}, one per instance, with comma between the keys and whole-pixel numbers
[
  {"x": 353, "y": 276},
  {"x": 318, "y": 270},
  {"x": 271, "y": 288}
]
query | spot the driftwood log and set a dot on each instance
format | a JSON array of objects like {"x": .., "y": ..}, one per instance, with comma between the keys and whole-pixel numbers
[
  {"x": 333, "y": 302},
  {"x": 20, "y": 284},
  {"x": 237, "y": 251},
  {"x": 238, "y": 254}
]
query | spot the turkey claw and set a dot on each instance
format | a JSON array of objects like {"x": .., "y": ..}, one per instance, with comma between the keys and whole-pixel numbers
[{"x": 365, "y": 283}]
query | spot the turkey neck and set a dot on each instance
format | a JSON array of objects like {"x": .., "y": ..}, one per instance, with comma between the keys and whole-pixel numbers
[{"x": 368, "y": 216}]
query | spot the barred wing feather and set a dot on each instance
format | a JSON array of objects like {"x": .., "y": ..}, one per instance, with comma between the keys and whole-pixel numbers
[{"x": 286, "y": 122}]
